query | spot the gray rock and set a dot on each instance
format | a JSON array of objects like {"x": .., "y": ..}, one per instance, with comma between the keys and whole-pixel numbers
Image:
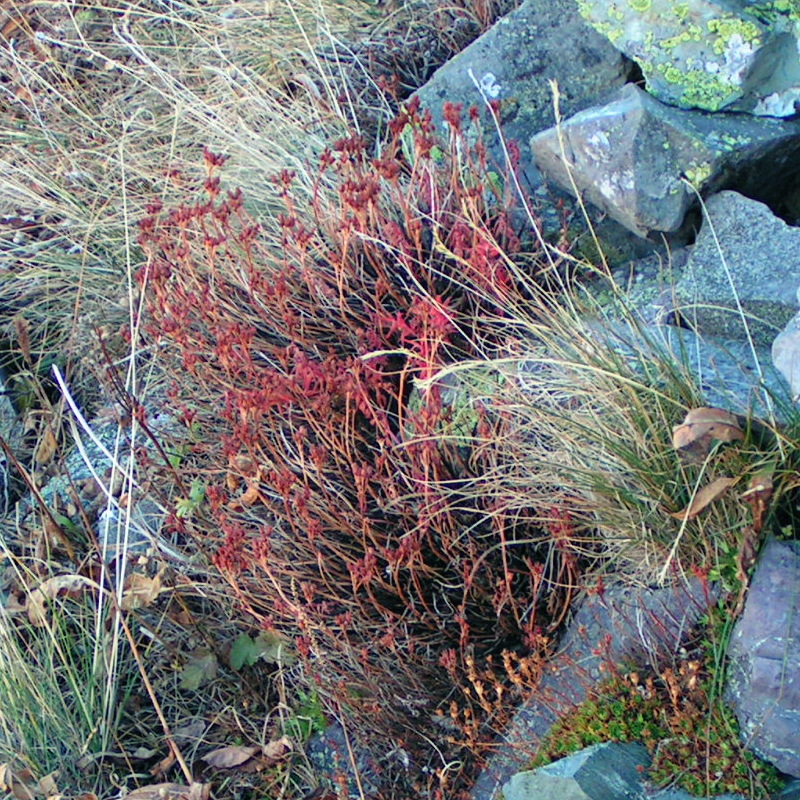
[
  {"x": 513, "y": 63},
  {"x": 117, "y": 530},
  {"x": 744, "y": 257},
  {"x": 786, "y": 354},
  {"x": 730, "y": 374},
  {"x": 603, "y": 772},
  {"x": 624, "y": 623},
  {"x": 542, "y": 40},
  {"x": 331, "y": 754},
  {"x": 629, "y": 157},
  {"x": 732, "y": 54},
  {"x": 791, "y": 791},
  {"x": 764, "y": 659}
]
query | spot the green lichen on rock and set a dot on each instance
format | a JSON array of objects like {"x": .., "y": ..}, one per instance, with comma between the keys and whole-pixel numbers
[
  {"x": 698, "y": 174},
  {"x": 707, "y": 91},
  {"x": 726, "y": 28},
  {"x": 691, "y": 56},
  {"x": 773, "y": 12}
]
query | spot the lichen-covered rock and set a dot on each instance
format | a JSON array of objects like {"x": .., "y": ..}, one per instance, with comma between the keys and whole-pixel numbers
[
  {"x": 711, "y": 55},
  {"x": 513, "y": 64},
  {"x": 629, "y": 157},
  {"x": 764, "y": 659},
  {"x": 745, "y": 263}
]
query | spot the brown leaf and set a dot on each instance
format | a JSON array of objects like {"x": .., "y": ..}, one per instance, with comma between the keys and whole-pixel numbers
[
  {"x": 166, "y": 764},
  {"x": 48, "y": 784},
  {"x": 140, "y": 591},
  {"x": 250, "y": 497},
  {"x": 23, "y": 332},
  {"x": 169, "y": 791},
  {"x": 704, "y": 497},
  {"x": 231, "y": 756},
  {"x": 56, "y": 536},
  {"x": 47, "y": 447},
  {"x": 58, "y": 586},
  {"x": 275, "y": 750},
  {"x": 16, "y": 783},
  {"x": 694, "y": 437}
]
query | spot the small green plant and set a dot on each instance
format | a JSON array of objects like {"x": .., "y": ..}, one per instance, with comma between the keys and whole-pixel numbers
[
  {"x": 267, "y": 646},
  {"x": 307, "y": 718},
  {"x": 186, "y": 507}
]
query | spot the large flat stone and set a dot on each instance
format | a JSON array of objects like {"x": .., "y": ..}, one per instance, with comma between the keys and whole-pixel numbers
[
  {"x": 513, "y": 64},
  {"x": 764, "y": 659},
  {"x": 609, "y": 771},
  {"x": 745, "y": 260}
]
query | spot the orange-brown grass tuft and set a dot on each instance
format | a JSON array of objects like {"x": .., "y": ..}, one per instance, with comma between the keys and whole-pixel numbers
[{"x": 305, "y": 370}]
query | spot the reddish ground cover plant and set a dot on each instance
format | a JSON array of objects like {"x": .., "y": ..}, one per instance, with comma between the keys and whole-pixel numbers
[{"x": 342, "y": 513}]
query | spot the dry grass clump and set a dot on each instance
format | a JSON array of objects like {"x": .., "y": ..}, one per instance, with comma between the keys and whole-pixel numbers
[
  {"x": 107, "y": 106},
  {"x": 595, "y": 410}
]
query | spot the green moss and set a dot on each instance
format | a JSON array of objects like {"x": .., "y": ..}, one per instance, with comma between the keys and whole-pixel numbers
[{"x": 639, "y": 5}]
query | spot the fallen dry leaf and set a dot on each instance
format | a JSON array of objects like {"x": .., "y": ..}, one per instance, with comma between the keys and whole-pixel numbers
[
  {"x": 694, "y": 437},
  {"x": 166, "y": 764},
  {"x": 250, "y": 497},
  {"x": 275, "y": 750},
  {"x": 231, "y": 756},
  {"x": 190, "y": 733},
  {"x": 58, "y": 586},
  {"x": 169, "y": 791},
  {"x": 47, "y": 447},
  {"x": 56, "y": 536},
  {"x": 704, "y": 497},
  {"x": 48, "y": 784},
  {"x": 17, "y": 783},
  {"x": 140, "y": 591}
]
